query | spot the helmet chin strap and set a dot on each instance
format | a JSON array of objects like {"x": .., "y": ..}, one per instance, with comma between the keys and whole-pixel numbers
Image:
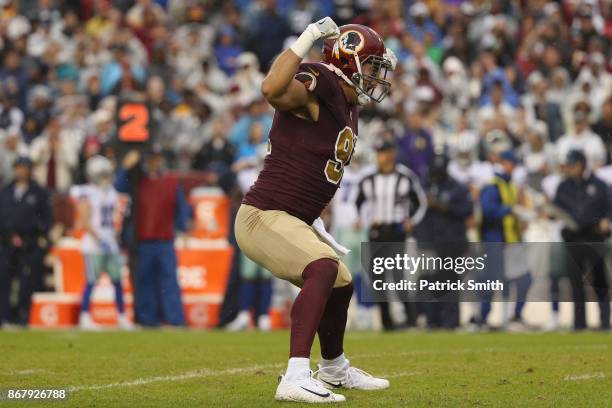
[{"x": 362, "y": 98}]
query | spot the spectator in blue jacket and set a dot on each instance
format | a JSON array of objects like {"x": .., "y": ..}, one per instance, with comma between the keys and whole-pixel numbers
[
  {"x": 121, "y": 73},
  {"x": 257, "y": 111},
  {"x": 267, "y": 30},
  {"x": 25, "y": 221},
  {"x": 227, "y": 49},
  {"x": 500, "y": 230},
  {"x": 585, "y": 198}
]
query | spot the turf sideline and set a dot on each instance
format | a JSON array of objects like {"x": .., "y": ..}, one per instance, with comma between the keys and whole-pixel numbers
[{"x": 202, "y": 373}]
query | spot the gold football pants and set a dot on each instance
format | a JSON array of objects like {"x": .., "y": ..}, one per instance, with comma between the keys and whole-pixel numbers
[{"x": 283, "y": 244}]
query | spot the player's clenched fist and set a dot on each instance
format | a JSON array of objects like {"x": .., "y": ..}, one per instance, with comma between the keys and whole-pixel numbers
[{"x": 324, "y": 28}]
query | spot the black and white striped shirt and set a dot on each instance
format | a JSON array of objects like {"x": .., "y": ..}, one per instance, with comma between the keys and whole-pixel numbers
[{"x": 392, "y": 197}]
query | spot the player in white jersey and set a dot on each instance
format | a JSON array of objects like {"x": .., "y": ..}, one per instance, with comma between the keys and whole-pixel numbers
[
  {"x": 347, "y": 229},
  {"x": 98, "y": 202}
]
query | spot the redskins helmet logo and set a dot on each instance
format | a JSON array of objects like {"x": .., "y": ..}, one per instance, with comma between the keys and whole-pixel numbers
[{"x": 351, "y": 42}]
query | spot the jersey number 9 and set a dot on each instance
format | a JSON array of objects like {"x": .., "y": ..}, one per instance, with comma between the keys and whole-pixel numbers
[{"x": 345, "y": 145}]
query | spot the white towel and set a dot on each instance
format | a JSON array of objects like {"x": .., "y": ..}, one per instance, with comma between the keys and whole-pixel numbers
[{"x": 319, "y": 227}]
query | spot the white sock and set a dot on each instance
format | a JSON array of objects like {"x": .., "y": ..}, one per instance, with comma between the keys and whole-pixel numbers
[
  {"x": 336, "y": 366},
  {"x": 555, "y": 317},
  {"x": 337, "y": 362},
  {"x": 297, "y": 367}
]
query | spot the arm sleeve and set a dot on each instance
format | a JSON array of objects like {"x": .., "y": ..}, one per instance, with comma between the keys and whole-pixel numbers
[
  {"x": 122, "y": 181},
  {"x": 558, "y": 198},
  {"x": 491, "y": 205},
  {"x": 183, "y": 211},
  {"x": 607, "y": 209},
  {"x": 3, "y": 232}
]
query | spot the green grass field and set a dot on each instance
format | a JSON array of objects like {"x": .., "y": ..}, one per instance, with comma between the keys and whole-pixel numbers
[{"x": 217, "y": 369}]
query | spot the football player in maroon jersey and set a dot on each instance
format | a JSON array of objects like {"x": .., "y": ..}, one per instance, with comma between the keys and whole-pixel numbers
[{"x": 312, "y": 138}]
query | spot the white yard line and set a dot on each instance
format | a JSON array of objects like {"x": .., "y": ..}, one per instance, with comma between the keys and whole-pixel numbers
[
  {"x": 27, "y": 371},
  {"x": 30, "y": 371},
  {"x": 179, "y": 377},
  {"x": 580, "y": 377}
]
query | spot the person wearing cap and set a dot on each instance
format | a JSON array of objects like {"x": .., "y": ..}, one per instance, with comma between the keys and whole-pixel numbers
[
  {"x": 121, "y": 72},
  {"x": 11, "y": 147},
  {"x": 160, "y": 207},
  {"x": 267, "y": 29},
  {"x": 540, "y": 108},
  {"x": 39, "y": 105},
  {"x": 415, "y": 148},
  {"x": 449, "y": 205},
  {"x": 248, "y": 77},
  {"x": 497, "y": 109},
  {"x": 10, "y": 114},
  {"x": 421, "y": 24},
  {"x": 227, "y": 49},
  {"x": 501, "y": 230},
  {"x": 25, "y": 221},
  {"x": 582, "y": 138},
  {"x": 585, "y": 199},
  {"x": 393, "y": 202},
  {"x": 55, "y": 157},
  {"x": 538, "y": 154}
]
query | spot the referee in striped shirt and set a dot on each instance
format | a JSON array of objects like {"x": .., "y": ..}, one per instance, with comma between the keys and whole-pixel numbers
[
  {"x": 393, "y": 196},
  {"x": 393, "y": 201}
]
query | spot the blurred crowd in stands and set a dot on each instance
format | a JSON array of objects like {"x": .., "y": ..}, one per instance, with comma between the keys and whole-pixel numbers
[{"x": 474, "y": 79}]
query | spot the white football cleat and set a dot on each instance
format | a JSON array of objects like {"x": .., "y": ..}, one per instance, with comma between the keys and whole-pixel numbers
[
  {"x": 552, "y": 324},
  {"x": 353, "y": 378},
  {"x": 264, "y": 323},
  {"x": 124, "y": 323},
  {"x": 87, "y": 323},
  {"x": 241, "y": 322},
  {"x": 305, "y": 389}
]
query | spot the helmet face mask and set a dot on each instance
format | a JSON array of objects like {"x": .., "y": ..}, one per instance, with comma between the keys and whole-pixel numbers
[
  {"x": 373, "y": 78},
  {"x": 99, "y": 171},
  {"x": 104, "y": 180},
  {"x": 360, "y": 55}
]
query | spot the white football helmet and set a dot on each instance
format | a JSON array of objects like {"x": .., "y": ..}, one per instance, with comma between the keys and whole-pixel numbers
[{"x": 99, "y": 171}]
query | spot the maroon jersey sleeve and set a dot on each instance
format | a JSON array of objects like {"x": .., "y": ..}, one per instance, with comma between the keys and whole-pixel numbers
[{"x": 319, "y": 80}]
